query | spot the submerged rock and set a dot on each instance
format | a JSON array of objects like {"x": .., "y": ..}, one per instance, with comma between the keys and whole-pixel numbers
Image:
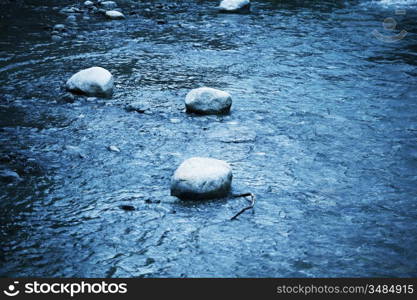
[
  {"x": 113, "y": 148},
  {"x": 68, "y": 97},
  {"x": 94, "y": 81},
  {"x": 74, "y": 151},
  {"x": 127, "y": 207},
  {"x": 115, "y": 15},
  {"x": 231, "y": 133},
  {"x": 201, "y": 178},
  {"x": 88, "y": 3},
  {"x": 234, "y": 6},
  {"x": 71, "y": 19},
  {"x": 108, "y": 4},
  {"x": 208, "y": 101},
  {"x": 137, "y": 106}
]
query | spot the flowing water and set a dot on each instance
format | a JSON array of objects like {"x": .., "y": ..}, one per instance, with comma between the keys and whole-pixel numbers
[{"x": 323, "y": 130}]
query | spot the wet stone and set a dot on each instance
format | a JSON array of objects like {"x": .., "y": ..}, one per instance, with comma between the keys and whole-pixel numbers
[
  {"x": 95, "y": 81},
  {"x": 139, "y": 107},
  {"x": 208, "y": 101},
  {"x": 152, "y": 201},
  {"x": 127, "y": 207},
  {"x": 234, "y": 6},
  {"x": 115, "y": 15},
  {"x": 56, "y": 38}
]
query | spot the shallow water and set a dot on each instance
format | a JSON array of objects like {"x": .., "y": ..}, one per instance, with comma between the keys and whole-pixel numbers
[{"x": 323, "y": 130}]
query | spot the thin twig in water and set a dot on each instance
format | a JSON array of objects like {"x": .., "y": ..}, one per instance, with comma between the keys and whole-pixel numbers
[{"x": 252, "y": 204}]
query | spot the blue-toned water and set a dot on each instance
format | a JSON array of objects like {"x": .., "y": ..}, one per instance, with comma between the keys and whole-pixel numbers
[{"x": 323, "y": 130}]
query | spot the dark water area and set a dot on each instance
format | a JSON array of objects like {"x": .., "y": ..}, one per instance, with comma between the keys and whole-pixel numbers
[{"x": 323, "y": 129}]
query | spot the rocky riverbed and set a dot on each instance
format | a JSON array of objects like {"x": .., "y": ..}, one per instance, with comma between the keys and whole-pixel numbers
[{"x": 322, "y": 130}]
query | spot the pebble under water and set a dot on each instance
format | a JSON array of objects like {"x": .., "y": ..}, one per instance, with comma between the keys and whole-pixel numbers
[{"x": 323, "y": 130}]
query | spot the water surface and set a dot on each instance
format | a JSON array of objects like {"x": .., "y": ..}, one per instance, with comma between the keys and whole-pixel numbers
[{"x": 323, "y": 130}]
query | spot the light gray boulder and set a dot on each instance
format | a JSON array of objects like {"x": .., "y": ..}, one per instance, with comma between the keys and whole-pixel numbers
[
  {"x": 114, "y": 15},
  {"x": 59, "y": 27},
  {"x": 9, "y": 176},
  {"x": 233, "y": 6},
  {"x": 95, "y": 81},
  {"x": 208, "y": 101},
  {"x": 201, "y": 178}
]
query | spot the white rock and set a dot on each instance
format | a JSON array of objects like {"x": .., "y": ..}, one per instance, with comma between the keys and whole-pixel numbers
[
  {"x": 201, "y": 178},
  {"x": 108, "y": 4},
  {"x": 114, "y": 15},
  {"x": 56, "y": 38},
  {"x": 69, "y": 10},
  {"x": 208, "y": 101},
  {"x": 59, "y": 27},
  {"x": 138, "y": 106},
  {"x": 9, "y": 176},
  {"x": 234, "y": 5},
  {"x": 94, "y": 81},
  {"x": 113, "y": 148},
  {"x": 231, "y": 133}
]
